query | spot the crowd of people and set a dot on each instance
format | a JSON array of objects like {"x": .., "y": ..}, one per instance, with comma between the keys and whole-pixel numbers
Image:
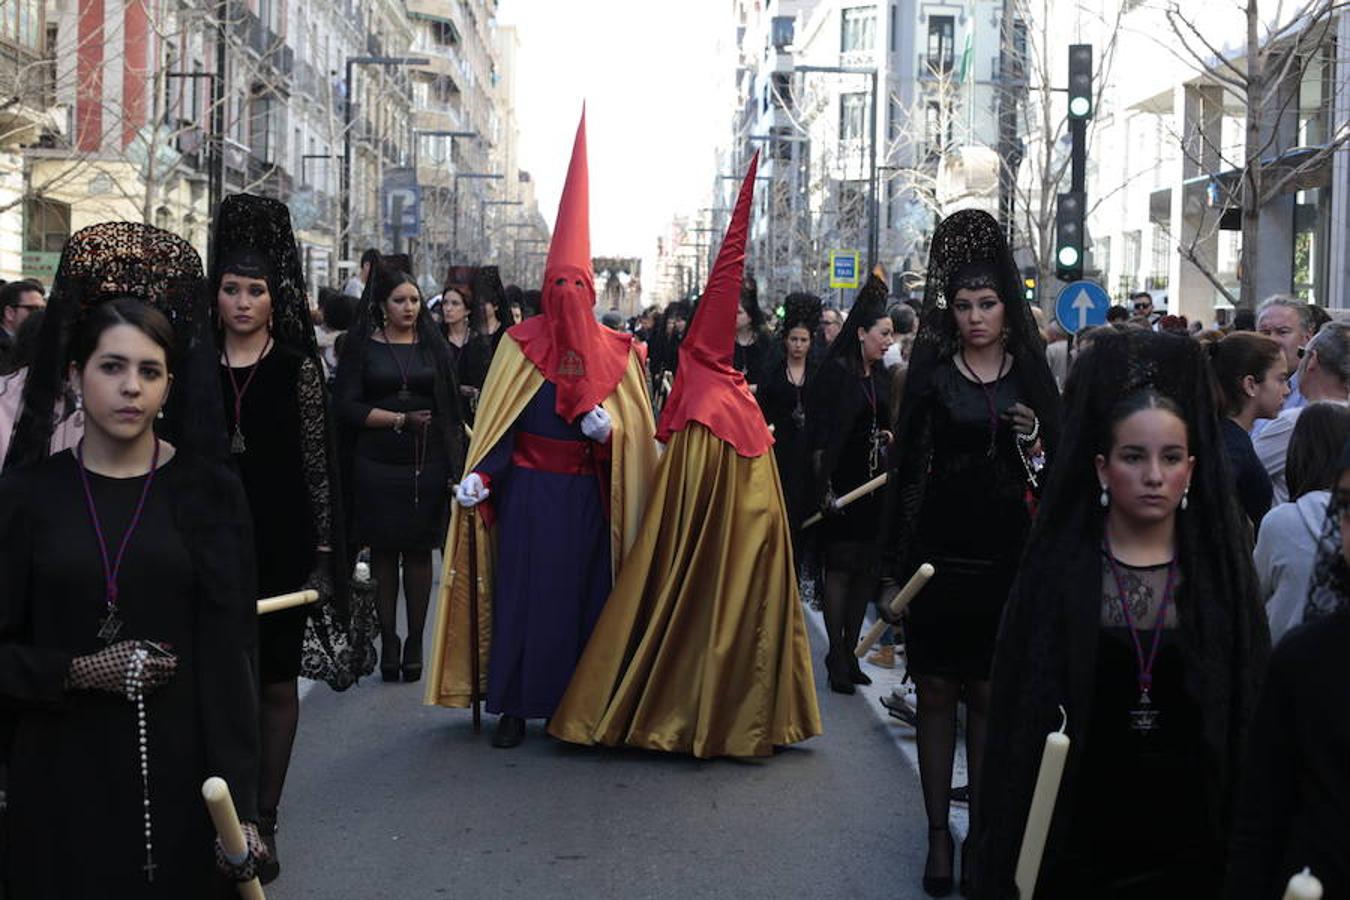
[{"x": 1122, "y": 521}]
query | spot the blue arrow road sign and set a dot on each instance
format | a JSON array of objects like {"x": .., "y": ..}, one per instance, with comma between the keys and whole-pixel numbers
[{"x": 1081, "y": 304}]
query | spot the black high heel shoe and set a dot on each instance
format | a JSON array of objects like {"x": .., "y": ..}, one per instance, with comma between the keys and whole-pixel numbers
[
  {"x": 940, "y": 885},
  {"x": 412, "y": 663},
  {"x": 855, "y": 671},
  {"x": 389, "y": 657},
  {"x": 840, "y": 680}
]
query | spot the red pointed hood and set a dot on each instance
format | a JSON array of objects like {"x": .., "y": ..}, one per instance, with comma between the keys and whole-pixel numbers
[
  {"x": 565, "y": 342},
  {"x": 707, "y": 388}
]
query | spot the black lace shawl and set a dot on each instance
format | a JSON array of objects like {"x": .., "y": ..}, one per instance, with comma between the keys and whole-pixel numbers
[
  {"x": 964, "y": 241},
  {"x": 1045, "y": 656}
]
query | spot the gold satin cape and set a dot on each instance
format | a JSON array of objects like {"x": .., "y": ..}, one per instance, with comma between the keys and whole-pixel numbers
[
  {"x": 511, "y": 381},
  {"x": 702, "y": 646}
]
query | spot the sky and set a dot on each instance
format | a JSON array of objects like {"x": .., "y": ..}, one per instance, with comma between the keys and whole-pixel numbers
[{"x": 656, "y": 76}]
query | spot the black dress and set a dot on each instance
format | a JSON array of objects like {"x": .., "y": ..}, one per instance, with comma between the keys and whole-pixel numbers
[
  {"x": 784, "y": 405},
  {"x": 1293, "y": 806},
  {"x": 1138, "y": 820},
  {"x": 1254, "y": 490},
  {"x": 847, "y": 412},
  {"x": 752, "y": 360},
  {"x": 74, "y": 817},
  {"x": 284, "y": 468},
  {"x": 394, "y": 507},
  {"x": 972, "y": 524},
  {"x": 472, "y": 364}
]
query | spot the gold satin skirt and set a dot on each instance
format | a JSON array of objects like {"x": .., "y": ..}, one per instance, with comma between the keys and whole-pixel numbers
[{"x": 702, "y": 645}]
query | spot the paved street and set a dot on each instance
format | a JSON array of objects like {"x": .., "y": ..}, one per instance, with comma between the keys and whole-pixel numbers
[{"x": 391, "y": 799}]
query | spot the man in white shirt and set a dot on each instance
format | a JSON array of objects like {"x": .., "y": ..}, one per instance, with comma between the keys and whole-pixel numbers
[
  {"x": 356, "y": 285},
  {"x": 1324, "y": 375},
  {"x": 1288, "y": 321}
]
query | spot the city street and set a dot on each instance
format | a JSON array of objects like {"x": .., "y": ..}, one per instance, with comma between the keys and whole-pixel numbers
[{"x": 388, "y": 798}]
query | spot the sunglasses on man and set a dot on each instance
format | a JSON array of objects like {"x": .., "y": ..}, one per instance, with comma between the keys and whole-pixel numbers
[{"x": 1145, "y": 305}]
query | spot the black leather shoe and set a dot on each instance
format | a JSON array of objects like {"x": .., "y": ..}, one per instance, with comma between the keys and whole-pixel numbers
[
  {"x": 270, "y": 868},
  {"x": 940, "y": 885},
  {"x": 899, "y": 708},
  {"x": 510, "y": 732}
]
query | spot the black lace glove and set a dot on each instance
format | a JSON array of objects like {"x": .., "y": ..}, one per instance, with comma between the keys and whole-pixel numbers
[
  {"x": 113, "y": 669},
  {"x": 247, "y": 869},
  {"x": 321, "y": 576}
]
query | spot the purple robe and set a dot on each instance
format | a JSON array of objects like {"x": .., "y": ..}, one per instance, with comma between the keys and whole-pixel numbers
[{"x": 553, "y": 568}]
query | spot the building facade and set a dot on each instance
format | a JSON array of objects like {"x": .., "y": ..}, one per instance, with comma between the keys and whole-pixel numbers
[
  {"x": 1169, "y": 147},
  {"x": 118, "y": 114},
  {"x": 873, "y": 118}
]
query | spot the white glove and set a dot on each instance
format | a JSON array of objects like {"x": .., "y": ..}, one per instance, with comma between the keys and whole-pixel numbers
[
  {"x": 597, "y": 425},
  {"x": 471, "y": 490}
]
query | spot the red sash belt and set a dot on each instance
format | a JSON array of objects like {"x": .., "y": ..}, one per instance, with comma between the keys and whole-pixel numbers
[{"x": 534, "y": 451}]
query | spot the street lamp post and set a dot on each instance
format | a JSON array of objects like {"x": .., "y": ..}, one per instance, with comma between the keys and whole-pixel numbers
[
  {"x": 515, "y": 252},
  {"x": 454, "y": 205},
  {"x": 433, "y": 132},
  {"x": 483, "y": 204},
  {"x": 345, "y": 224},
  {"x": 871, "y": 149}
]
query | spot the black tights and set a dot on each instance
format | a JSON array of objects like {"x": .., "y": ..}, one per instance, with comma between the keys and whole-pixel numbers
[
  {"x": 278, "y": 718},
  {"x": 936, "y": 738},
  {"x": 846, "y": 597},
  {"x": 384, "y": 566}
]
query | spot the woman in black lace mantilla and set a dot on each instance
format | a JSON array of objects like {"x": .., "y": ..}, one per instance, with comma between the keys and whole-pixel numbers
[
  {"x": 979, "y": 399},
  {"x": 281, "y": 441},
  {"x": 124, "y": 690},
  {"x": 1135, "y": 611}
]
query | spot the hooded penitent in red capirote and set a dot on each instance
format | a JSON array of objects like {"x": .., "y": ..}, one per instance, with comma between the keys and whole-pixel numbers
[
  {"x": 565, "y": 342},
  {"x": 707, "y": 388},
  {"x": 701, "y": 647}
]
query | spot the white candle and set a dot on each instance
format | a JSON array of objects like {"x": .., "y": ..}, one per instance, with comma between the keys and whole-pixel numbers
[
  {"x": 1042, "y": 809},
  {"x": 1303, "y": 886},
  {"x": 220, "y": 805}
]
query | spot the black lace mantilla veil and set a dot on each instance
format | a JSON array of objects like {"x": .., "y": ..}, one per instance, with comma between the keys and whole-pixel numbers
[
  {"x": 1329, "y": 587},
  {"x": 968, "y": 249},
  {"x": 104, "y": 262},
  {"x": 1047, "y": 643},
  {"x": 800, "y": 310},
  {"x": 254, "y": 237}
]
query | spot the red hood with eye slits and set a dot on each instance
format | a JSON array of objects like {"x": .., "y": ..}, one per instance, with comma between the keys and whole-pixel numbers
[{"x": 584, "y": 360}]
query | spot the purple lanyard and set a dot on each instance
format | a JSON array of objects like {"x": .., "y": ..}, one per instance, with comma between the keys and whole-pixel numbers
[
  {"x": 1145, "y": 666},
  {"x": 112, "y": 569}
]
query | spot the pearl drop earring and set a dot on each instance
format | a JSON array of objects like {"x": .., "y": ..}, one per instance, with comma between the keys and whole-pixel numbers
[{"x": 1104, "y": 499}]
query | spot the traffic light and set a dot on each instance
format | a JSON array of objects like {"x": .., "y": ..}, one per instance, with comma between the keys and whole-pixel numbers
[
  {"x": 1069, "y": 221},
  {"x": 1080, "y": 81},
  {"x": 1029, "y": 284}
]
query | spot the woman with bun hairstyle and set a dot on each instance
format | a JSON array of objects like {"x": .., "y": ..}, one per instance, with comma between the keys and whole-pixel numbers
[{"x": 1252, "y": 381}]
